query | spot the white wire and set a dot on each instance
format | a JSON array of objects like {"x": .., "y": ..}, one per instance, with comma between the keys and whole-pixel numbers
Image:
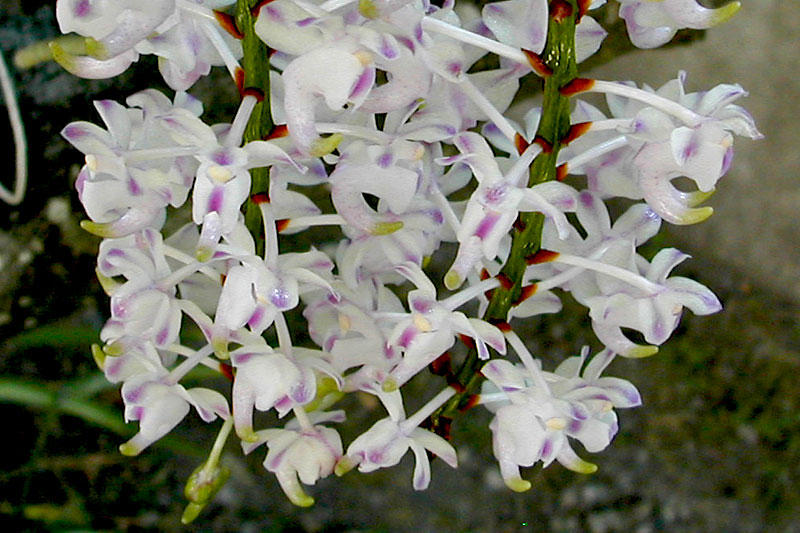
[{"x": 21, "y": 149}]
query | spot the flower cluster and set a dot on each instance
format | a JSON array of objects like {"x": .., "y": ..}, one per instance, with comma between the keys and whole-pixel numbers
[{"x": 385, "y": 106}]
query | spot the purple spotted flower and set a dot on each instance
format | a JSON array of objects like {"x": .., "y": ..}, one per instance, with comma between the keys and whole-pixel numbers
[{"x": 536, "y": 412}]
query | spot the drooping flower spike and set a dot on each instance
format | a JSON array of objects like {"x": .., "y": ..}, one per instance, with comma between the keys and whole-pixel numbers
[{"x": 384, "y": 113}]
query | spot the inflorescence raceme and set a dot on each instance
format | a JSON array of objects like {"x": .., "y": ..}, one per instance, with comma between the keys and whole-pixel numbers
[{"x": 381, "y": 98}]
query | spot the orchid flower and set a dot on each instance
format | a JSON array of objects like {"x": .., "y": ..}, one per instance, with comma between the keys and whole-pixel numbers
[
  {"x": 160, "y": 406},
  {"x": 133, "y": 169},
  {"x": 668, "y": 133},
  {"x": 301, "y": 450},
  {"x": 350, "y": 326},
  {"x": 538, "y": 411},
  {"x": 431, "y": 327},
  {"x": 497, "y": 201},
  {"x": 266, "y": 379},
  {"x": 651, "y": 24},
  {"x": 185, "y": 35},
  {"x": 388, "y": 440}
]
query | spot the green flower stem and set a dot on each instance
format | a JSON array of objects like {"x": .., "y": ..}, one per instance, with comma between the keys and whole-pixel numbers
[
  {"x": 559, "y": 56},
  {"x": 255, "y": 64},
  {"x": 219, "y": 445},
  {"x": 209, "y": 478}
]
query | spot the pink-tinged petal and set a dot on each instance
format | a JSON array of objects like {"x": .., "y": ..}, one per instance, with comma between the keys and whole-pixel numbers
[
  {"x": 225, "y": 199},
  {"x": 707, "y": 164},
  {"x": 266, "y": 153},
  {"x": 718, "y": 98},
  {"x": 693, "y": 295},
  {"x": 236, "y": 302},
  {"x": 664, "y": 262},
  {"x": 576, "y": 398},
  {"x": 506, "y": 376},
  {"x": 739, "y": 121},
  {"x": 422, "y": 352},
  {"x": 497, "y": 138},
  {"x": 480, "y": 158},
  {"x": 409, "y": 81},
  {"x": 640, "y": 221},
  {"x": 380, "y": 446},
  {"x": 690, "y": 14},
  {"x": 277, "y": 24},
  {"x": 117, "y": 119},
  {"x": 597, "y": 365},
  {"x": 153, "y": 103},
  {"x": 426, "y": 293},
  {"x": 625, "y": 311},
  {"x": 644, "y": 36},
  {"x": 305, "y": 388},
  {"x": 290, "y": 204},
  {"x": 168, "y": 324},
  {"x": 552, "y": 444},
  {"x": 209, "y": 404},
  {"x": 407, "y": 336},
  {"x": 539, "y": 304},
  {"x": 593, "y": 213},
  {"x": 279, "y": 446},
  {"x": 159, "y": 417},
  {"x": 87, "y": 17},
  {"x": 327, "y": 74},
  {"x": 486, "y": 226},
  {"x": 362, "y": 87},
  {"x": 263, "y": 316},
  {"x": 622, "y": 393},
  {"x": 685, "y": 143},
  {"x": 490, "y": 334},
  {"x": 186, "y": 128},
  {"x": 518, "y": 23},
  {"x": 422, "y": 468},
  {"x": 596, "y": 435},
  {"x": 89, "y": 138},
  {"x": 534, "y": 201},
  {"x": 436, "y": 445},
  {"x": 589, "y": 35}
]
